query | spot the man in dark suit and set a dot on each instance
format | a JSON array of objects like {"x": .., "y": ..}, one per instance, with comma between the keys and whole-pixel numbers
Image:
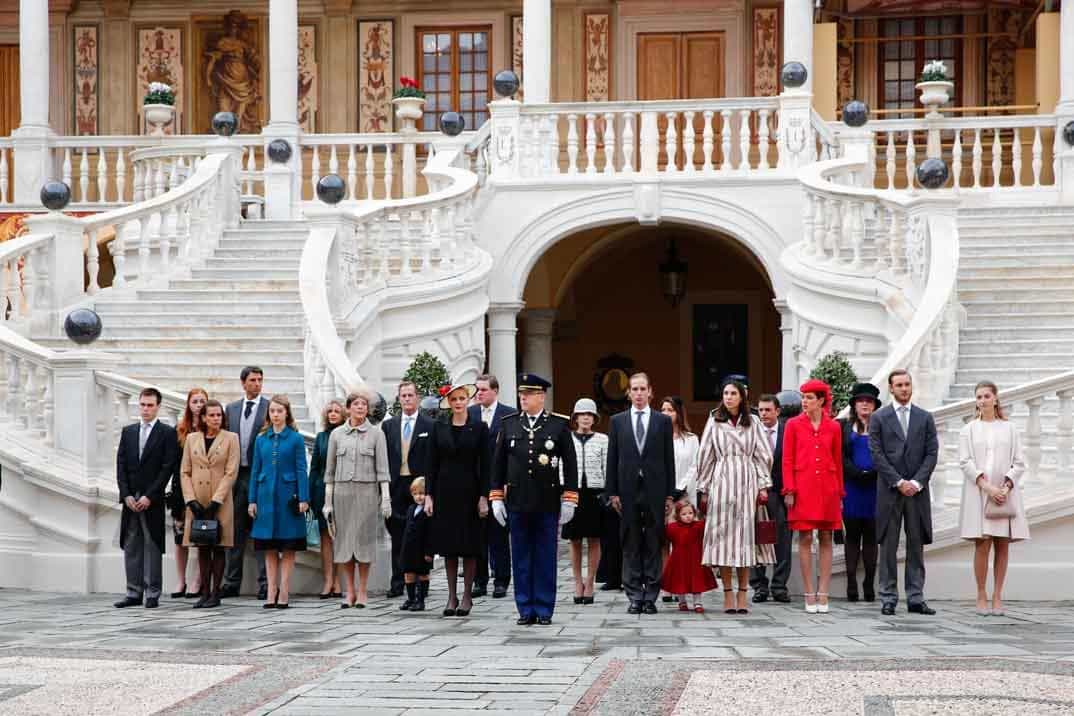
[
  {"x": 534, "y": 450},
  {"x": 148, "y": 451},
  {"x": 246, "y": 417},
  {"x": 768, "y": 410},
  {"x": 491, "y": 411},
  {"x": 902, "y": 440},
  {"x": 407, "y": 436},
  {"x": 640, "y": 485}
]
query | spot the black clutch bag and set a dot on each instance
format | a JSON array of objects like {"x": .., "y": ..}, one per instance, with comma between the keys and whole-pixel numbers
[
  {"x": 293, "y": 504},
  {"x": 205, "y": 533}
]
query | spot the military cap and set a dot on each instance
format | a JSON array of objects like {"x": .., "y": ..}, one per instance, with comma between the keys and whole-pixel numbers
[{"x": 533, "y": 383}]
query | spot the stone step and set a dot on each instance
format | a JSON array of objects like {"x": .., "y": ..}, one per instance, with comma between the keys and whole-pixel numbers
[
  {"x": 1017, "y": 347},
  {"x": 199, "y": 298},
  {"x": 123, "y": 330},
  {"x": 245, "y": 254},
  {"x": 1015, "y": 290},
  {"x": 1018, "y": 248},
  {"x": 253, "y": 246},
  {"x": 253, "y": 284},
  {"x": 1015, "y": 261},
  {"x": 1021, "y": 306},
  {"x": 238, "y": 273},
  {"x": 195, "y": 342},
  {"x": 206, "y": 307},
  {"x": 226, "y": 388},
  {"x": 163, "y": 320},
  {"x": 162, "y": 365},
  {"x": 1054, "y": 362},
  {"x": 1014, "y": 216},
  {"x": 1000, "y": 235},
  {"x": 1034, "y": 332},
  {"x": 274, "y": 226},
  {"x": 999, "y": 275},
  {"x": 252, "y": 262},
  {"x": 1004, "y": 375}
]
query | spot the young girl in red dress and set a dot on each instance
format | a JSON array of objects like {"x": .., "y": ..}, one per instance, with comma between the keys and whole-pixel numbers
[{"x": 683, "y": 574}]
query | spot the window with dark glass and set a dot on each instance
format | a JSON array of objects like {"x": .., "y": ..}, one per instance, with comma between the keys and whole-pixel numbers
[
  {"x": 720, "y": 347},
  {"x": 455, "y": 72},
  {"x": 906, "y": 45}
]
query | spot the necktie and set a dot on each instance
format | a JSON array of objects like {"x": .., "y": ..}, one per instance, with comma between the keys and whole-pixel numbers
[
  {"x": 639, "y": 430},
  {"x": 143, "y": 438},
  {"x": 406, "y": 428},
  {"x": 772, "y": 438},
  {"x": 486, "y": 416},
  {"x": 904, "y": 420},
  {"x": 249, "y": 408}
]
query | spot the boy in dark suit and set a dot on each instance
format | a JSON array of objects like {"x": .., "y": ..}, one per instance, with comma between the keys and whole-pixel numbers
[{"x": 416, "y": 554}]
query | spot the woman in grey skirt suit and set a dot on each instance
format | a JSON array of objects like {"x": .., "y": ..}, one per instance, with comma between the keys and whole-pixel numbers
[{"x": 356, "y": 494}]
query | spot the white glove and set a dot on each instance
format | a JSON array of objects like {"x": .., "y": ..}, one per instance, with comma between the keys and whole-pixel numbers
[
  {"x": 566, "y": 512},
  {"x": 329, "y": 491},
  {"x": 499, "y": 511},
  {"x": 385, "y": 501}
]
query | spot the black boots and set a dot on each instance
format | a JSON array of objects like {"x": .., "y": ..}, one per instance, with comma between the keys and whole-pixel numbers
[
  {"x": 423, "y": 592},
  {"x": 415, "y": 597},
  {"x": 410, "y": 599}
]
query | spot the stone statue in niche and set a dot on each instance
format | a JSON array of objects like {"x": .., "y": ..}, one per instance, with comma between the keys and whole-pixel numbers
[{"x": 233, "y": 72}]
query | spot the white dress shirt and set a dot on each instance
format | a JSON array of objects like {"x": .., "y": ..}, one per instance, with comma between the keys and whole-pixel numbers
[
  {"x": 144, "y": 431},
  {"x": 686, "y": 448},
  {"x": 488, "y": 413}
]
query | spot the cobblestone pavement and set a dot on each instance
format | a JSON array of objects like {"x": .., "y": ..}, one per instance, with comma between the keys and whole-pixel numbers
[{"x": 76, "y": 654}]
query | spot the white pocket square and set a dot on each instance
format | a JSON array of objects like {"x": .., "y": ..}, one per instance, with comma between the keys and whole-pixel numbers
[{"x": 423, "y": 435}]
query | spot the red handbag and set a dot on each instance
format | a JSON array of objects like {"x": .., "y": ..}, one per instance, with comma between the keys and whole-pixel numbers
[{"x": 765, "y": 529}]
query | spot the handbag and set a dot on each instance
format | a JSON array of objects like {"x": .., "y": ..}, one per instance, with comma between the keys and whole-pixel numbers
[
  {"x": 293, "y": 504},
  {"x": 994, "y": 511},
  {"x": 205, "y": 533},
  {"x": 313, "y": 530},
  {"x": 765, "y": 529}
]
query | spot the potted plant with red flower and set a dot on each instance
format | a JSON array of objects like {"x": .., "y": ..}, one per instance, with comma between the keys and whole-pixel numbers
[{"x": 409, "y": 101}]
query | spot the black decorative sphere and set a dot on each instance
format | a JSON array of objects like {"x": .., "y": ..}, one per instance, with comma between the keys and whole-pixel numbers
[
  {"x": 378, "y": 409},
  {"x": 452, "y": 123},
  {"x": 505, "y": 83},
  {"x": 331, "y": 189},
  {"x": 932, "y": 173},
  {"x": 794, "y": 74},
  {"x": 83, "y": 326},
  {"x": 790, "y": 403},
  {"x": 225, "y": 123},
  {"x": 1068, "y": 134},
  {"x": 279, "y": 151},
  {"x": 55, "y": 195},
  {"x": 855, "y": 113}
]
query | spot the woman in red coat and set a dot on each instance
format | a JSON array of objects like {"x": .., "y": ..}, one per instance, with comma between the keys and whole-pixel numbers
[{"x": 813, "y": 486}]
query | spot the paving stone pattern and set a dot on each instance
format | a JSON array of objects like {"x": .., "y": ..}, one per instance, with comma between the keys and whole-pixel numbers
[{"x": 318, "y": 659}]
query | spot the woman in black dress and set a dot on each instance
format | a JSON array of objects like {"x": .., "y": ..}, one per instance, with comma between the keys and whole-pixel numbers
[
  {"x": 457, "y": 480},
  {"x": 591, "y": 451}
]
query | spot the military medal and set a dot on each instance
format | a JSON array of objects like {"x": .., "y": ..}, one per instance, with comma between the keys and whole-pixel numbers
[
  {"x": 555, "y": 462},
  {"x": 548, "y": 444},
  {"x": 543, "y": 459}
]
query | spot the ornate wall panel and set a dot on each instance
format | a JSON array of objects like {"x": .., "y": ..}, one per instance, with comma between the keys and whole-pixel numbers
[
  {"x": 160, "y": 59},
  {"x": 845, "y": 61},
  {"x": 1001, "y": 52},
  {"x": 766, "y": 51},
  {"x": 376, "y": 67},
  {"x": 86, "y": 75},
  {"x": 598, "y": 52},
  {"x": 308, "y": 78},
  {"x": 516, "y": 52},
  {"x": 231, "y": 71}
]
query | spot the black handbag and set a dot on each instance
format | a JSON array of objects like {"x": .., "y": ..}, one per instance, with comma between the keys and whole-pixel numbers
[
  {"x": 205, "y": 533},
  {"x": 293, "y": 504}
]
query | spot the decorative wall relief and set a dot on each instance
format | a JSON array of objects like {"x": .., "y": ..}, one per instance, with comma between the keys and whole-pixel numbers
[
  {"x": 1001, "y": 50},
  {"x": 86, "y": 68},
  {"x": 160, "y": 59},
  {"x": 598, "y": 49},
  {"x": 766, "y": 51},
  {"x": 845, "y": 61},
  {"x": 231, "y": 75},
  {"x": 376, "y": 60},
  {"x": 307, "y": 78},
  {"x": 516, "y": 52}
]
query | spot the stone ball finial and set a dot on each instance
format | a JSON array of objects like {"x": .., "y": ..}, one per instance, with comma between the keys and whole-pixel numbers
[
  {"x": 331, "y": 189},
  {"x": 505, "y": 83},
  {"x": 855, "y": 113},
  {"x": 452, "y": 123},
  {"x": 279, "y": 151},
  {"x": 793, "y": 74},
  {"x": 1068, "y": 133},
  {"x": 378, "y": 409},
  {"x": 55, "y": 195},
  {"x": 83, "y": 326},
  {"x": 225, "y": 124},
  {"x": 932, "y": 173}
]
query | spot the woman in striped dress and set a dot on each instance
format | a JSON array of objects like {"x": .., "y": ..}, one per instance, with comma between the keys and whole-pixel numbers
[{"x": 734, "y": 468}]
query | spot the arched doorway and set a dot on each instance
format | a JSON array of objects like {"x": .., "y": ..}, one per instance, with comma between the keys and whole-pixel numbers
[{"x": 595, "y": 306}]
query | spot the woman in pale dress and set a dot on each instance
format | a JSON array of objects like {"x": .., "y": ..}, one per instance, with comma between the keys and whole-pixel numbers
[
  {"x": 686, "y": 446},
  {"x": 993, "y": 516},
  {"x": 356, "y": 495},
  {"x": 734, "y": 466}
]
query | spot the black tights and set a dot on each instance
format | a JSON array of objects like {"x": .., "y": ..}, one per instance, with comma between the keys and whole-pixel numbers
[
  {"x": 860, "y": 540},
  {"x": 469, "y": 569},
  {"x": 211, "y": 567}
]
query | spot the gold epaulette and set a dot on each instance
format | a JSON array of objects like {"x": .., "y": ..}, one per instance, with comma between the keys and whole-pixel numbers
[{"x": 561, "y": 415}]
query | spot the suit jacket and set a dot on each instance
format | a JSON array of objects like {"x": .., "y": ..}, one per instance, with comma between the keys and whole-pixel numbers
[
  {"x": 146, "y": 476},
  {"x": 501, "y": 412},
  {"x": 898, "y": 458},
  {"x": 234, "y": 423},
  {"x": 654, "y": 466},
  {"x": 777, "y": 456},
  {"x": 417, "y": 458}
]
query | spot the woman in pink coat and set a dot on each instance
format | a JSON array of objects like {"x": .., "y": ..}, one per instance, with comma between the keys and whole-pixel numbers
[{"x": 813, "y": 486}]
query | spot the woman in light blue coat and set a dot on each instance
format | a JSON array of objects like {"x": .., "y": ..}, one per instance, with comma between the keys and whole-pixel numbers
[{"x": 279, "y": 498}]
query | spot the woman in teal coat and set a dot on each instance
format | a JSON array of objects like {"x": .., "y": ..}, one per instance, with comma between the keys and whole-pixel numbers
[
  {"x": 279, "y": 498},
  {"x": 331, "y": 417}
]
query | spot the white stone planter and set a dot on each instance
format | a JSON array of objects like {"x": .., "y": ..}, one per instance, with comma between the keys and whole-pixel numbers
[
  {"x": 936, "y": 93},
  {"x": 409, "y": 108},
  {"x": 158, "y": 115}
]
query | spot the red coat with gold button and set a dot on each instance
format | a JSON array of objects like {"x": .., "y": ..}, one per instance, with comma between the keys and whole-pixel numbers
[{"x": 813, "y": 473}]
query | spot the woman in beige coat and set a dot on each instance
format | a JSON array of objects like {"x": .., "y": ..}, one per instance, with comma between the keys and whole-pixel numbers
[
  {"x": 210, "y": 464},
  {"x": 993, "y": 516}
]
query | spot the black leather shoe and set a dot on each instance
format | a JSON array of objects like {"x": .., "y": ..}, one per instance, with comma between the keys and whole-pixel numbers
[
  {"x": 634, "y": 608},
  {"x": 922, "y": 608},
  {"x": 211, "y": 603},
  {"x": 869, "y": 595},
  {"x": 888, "y": 610},
  {"x": 405, "y": 606},
  {"x": 262, "y": 593},
  {"x": 648, "y": 608},
  {"x": 230, "y": 592},
  {"x": 610, "y": 587},
  {"x": 759, "y": 597},
  {"x": 499, "y": 592},
  {"x": 181, "y": 594},
  {"x": 667, "y": 599},
  {"x": 153, "y": 602},
  {"x": 128, "y": 602},
  {"x": 395, "y": 592},
  {"x": 781, "y": 597},
  {"x": 479, "y": 591},
  {"x": 544, "y": 621},
  {"x": 526, "y": 621},
  {"x": 418, "y": 605}
]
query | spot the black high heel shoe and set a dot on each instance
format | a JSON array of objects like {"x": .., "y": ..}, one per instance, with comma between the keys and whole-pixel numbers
[
  {"x": 460, "y": 612},
  {"x": 451, "y": 611},
  {"x": 733, "y": 610}
]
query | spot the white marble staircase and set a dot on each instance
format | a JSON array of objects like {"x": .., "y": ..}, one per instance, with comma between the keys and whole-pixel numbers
[{"x": 241, "y": 307}]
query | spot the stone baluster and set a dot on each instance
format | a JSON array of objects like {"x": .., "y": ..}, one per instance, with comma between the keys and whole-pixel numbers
[
  {"x": 389, "y": 167},
  {"x": 707, "y": 143},
  {"x": 744, "y": 140},
  {"x": 688, "y": 143},
  {"x": 5, "y": 366},
  {"x": 160, "y": 184},
  {"x": 31, "y": 405},
  {"x": 451, "y": 238},
  {"x": 628, "y": 142},
  {"x": 7, "y": 280},
  {"x": 315, "y": 170},
  {"x": 820, "y": 225},
  {"x": 529, "y": 147},
  {"x": 29, "y": 283},
  {"x": 370, "y": 177},
  {"x": 609, "y": 143},
  {"x": 1064, "y": 434},
  {"x": 138, "y": 194},
  {"x": 881, "y": 235},
  {"x": 590, "y": 143},
  {"x": 650, "y": 143},
  {"x": 977, "y": 156},
  {"x": 1016, "y": 156},
  {"x": 763, "y": 139},
  {"x": 807, "y": 223},
  {"x": 671, "y": 143},
  {"x": 3, "y": 175},
  {"x": 167, "y": 239},
  {"x": 14, "y": 389},
  {"x": 102, "y": 176},
  {"x": 857, "y": 232},
  {"x": 118, "y": 249},
  {"x": 383, "y": 248},
  {"x": 67, "y": 167},
  {"x": 725, "y": 140},
  {"x": 47, "y": 406},
  {"x": 42, "y": 255},
  {"x": 251, "y": 169},
  {"x": 911, "y": 160},
  {"x": 352, "y": 174},
  {"x": 121, "y": 176},
  {"x": 997, "y": 157},
  {"x": 183, "y": 241},
  {"x": 1033, "y": 437},
  {"x": 83, "y": 177},
  {"x": 144, "y": 243},
  {"x": 956, "y": 160},
  {"x": 572, "y": 143},
  {"x": 333, "y": 160},
  {"x": 93, "y": 262},
  {"x": 404, "y": 244},
  {"x": 835, "y": 229},
  {"x": 1038, "y": 156},
  {"x": 889, "y": 160},
  {"x": 550, "y": 129}
]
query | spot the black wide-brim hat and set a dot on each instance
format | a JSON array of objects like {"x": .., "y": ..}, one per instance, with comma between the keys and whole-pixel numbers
[{"x": 865, "y": 391}]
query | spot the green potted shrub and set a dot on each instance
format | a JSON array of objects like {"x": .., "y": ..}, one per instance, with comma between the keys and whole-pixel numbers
[{"x": 835, "y": 370}]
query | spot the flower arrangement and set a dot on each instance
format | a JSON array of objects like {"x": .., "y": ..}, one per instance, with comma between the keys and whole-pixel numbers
[
  {"x": 408, "y": 87},
  {"x": 934, "y": 71},
  {"x": 159, "y": 93}
]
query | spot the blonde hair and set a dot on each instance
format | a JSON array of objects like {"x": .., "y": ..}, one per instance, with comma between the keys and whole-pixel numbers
[
  {"x": 417, "y": 485},
  {"x": 995, "y": 391},
  {"x": 327, "y": 406}
]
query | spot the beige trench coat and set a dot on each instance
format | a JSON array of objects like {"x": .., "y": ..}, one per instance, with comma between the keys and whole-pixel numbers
[{"x": 209, "y": 478}]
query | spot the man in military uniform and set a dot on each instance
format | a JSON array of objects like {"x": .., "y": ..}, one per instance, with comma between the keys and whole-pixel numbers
[{"x": 532, "y": 448}]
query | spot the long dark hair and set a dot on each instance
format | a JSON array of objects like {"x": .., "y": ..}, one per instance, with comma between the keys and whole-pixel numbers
[
  {"x": 681, "y": 421},
  {"x": 723, "y": 415}
]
